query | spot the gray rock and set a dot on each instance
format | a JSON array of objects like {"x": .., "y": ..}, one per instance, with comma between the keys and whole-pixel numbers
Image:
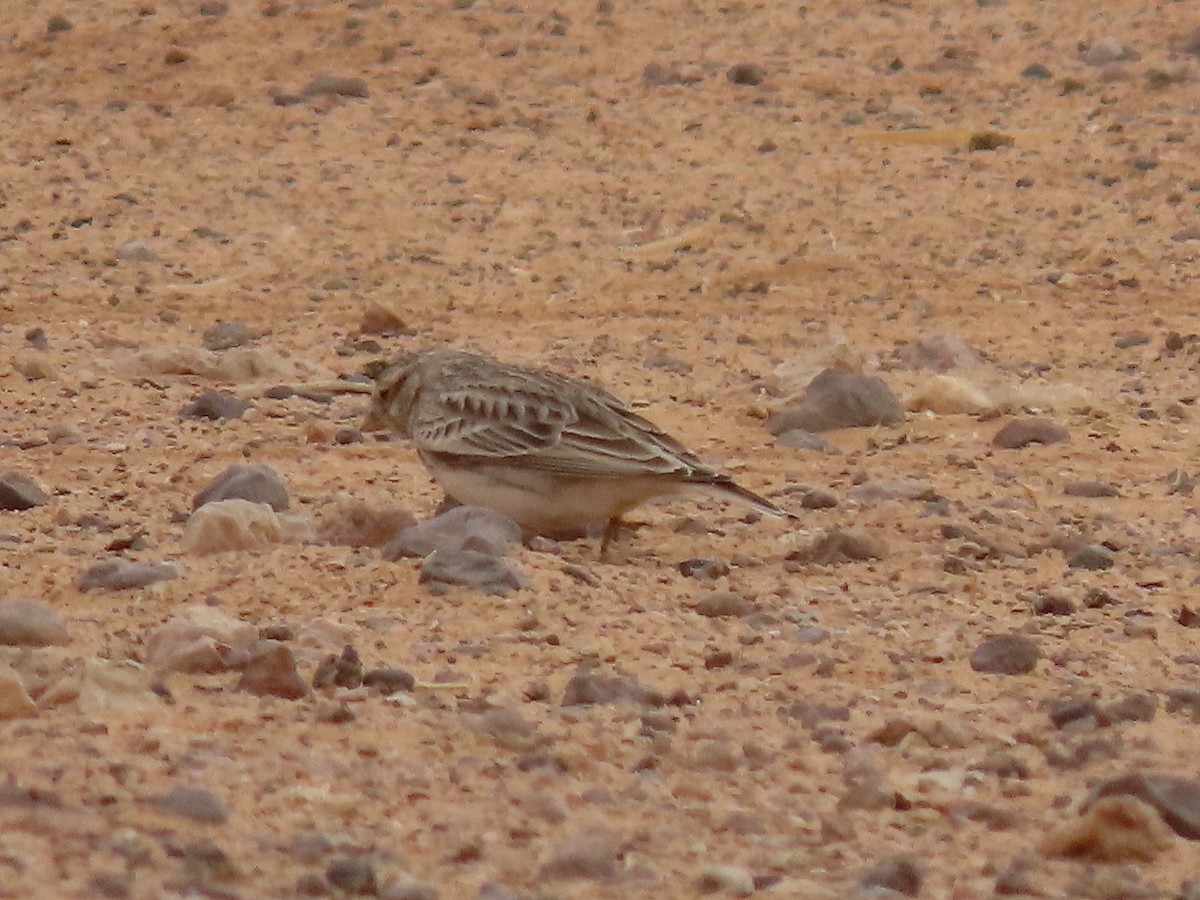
[
  {"x": 836, "y": 547},
  {"x": 352, "y": 875},
  {"x": 591, "y": 855},
  {"x": 271, "y": 672},
  {"x": 258, "y": 483},
  {"x": 837, "y": 399},
  {"x": 1029, "y": 430},
  {"x": 136, "y": 251},
  {"x": 125, "y": 575},
  {"x": 216, "y": 405},
  {"x": 225, "y": 335},
  {"x": 341, "y": 86},
  {"x": 20, "y": 492},
  {"x": 899, "y": 875},
  {"x": 1091, "y": 557},
  {"x": 474, "y": 528},
  {"x": 1108, "y": 50},
  {"x": 939, "y": 352},
  {"x": 1175, "y": 798},
  {"x": 724, "y": 605},
  {"x": 1005, "y": 654},
  {"x": 1091, "y": 489},
  {"x": 196, "y": 804},
  {"x": 30, "y": 623},
  {"x": 588, "y": 688},
  {"x": 470, "y": 568},
  {"x": 799, "y": 439}
]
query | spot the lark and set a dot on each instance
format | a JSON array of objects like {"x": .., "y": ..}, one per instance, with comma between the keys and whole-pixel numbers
[{"x": 555, "y": 454}]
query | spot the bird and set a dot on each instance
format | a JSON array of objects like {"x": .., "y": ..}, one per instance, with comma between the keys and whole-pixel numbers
[{"x": 553, "y": 453}]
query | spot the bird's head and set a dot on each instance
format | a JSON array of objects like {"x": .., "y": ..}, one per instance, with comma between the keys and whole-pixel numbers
[{"x": 396, "y": 390}]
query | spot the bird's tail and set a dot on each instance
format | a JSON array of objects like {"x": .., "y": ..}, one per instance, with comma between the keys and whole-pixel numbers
[{"x": 727, "y": 487}]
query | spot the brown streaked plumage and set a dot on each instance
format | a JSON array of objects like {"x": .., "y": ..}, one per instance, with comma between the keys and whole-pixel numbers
[{"x": 553, "y": 453}]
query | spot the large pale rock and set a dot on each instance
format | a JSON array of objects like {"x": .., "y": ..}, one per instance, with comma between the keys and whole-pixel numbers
[{"x": 231, "y": 525}]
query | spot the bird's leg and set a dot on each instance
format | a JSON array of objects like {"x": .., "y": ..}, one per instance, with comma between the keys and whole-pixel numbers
[{"x": 610, "y": 534}]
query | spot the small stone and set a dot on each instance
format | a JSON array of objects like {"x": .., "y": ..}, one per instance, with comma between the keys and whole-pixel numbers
[
  {"x": 15, "y": 702},
  {"x": 1109, "y": 50},
  {"x": 799, "y": 439},
  {"x": 1176, "y": 799},
  {"x": 351, "y": 523},
  {"x": 30, "y": 623},
  {"x": 1114, "y": 829},
  {"x": 818, "y": 498},
  {"x": 1036, "y": 71},
  {"x": 352, "y": 875},
  {"x": 1022, "y": 432},
  {"x": 592, "y": 855},
  {"x": 196, "y": 804},
  {"x": 58, "y": 24},
  {"x": 388, "y": 680},
  {"x": 111, "y": 885},
  {"x": 216, "y": 405},
  {"x": 125, "y": 575},
  {"x": 989, "y": 140},
  {"x": 1091, "y": 489},
  {"x": 1005, "y": 654},
  {"x": 473, "y": 528},
  {"x": 724, "y": 605},
  {"x": 1091, "y": 557},
  {"x": 228, "y": 525},
  {"x": 470, "y": 568},
  {"x": 732, "y": 880},
  {"x": 176, "y": 56},
  {"x": 835, "y": 548},
  {"x": 1053, "y": 604},
  {"x": 271, "y": 672},
  {"x": 588, "y": 688},
  {"x": 344, "y": 670},
  {"x": 225, "y": 335},
  {"x": 20, "y": 492},
  {"x": 214, "y": 9},
  {"x": 258, "y": 483},
  {"x": 136, "y": 251},
  {"x": 706, "y": 569},
  {"x": 335, "y": 85},
  {"x": 1132, "y": 339},
  {"x": 378, "y": 319},
  {"x": 750, "y": 74},
  {"x": 837, "y": 399},
  {"x": 899, "y": 874}
]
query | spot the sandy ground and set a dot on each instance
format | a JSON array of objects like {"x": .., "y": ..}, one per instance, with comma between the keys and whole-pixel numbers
[{"x": 583, "y": 186}]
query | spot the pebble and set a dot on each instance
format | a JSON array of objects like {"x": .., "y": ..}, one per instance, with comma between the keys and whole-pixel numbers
[
  {"x": 472, "y": 528},
  {"x": 837, "y": 399},
  {"x": 196, "y": 804},
  {"x": 707, "y": 569},
  {"x": 1036, "y": 71},
  {"x": 388, "y": 680},
  {"x": 124, "y": 575},
  {"x": 470, "y": 568},
  {"x": 344, "y": 670},
  {"x": 58, "y": 24},
  {"x": 226, "y": 335},
  {"x": 227, "y": 525},
  {"x": 352, "y": 875},
  {"x": 30, "y": 623},
  {"x": 724, "y": 605},
  {"x": 1176, "y": 799},
  {"x": 136, "y": 251},
  {"x": 335, "y": 85},
  {"x": 799, "y": 439},
  {"x": 835, "y": 548},
  {"x": 1091, "y": 489},
  {"x": 258, "y": 483},
  {"x": 592, "y": 854},
  {"x": 722, "y": 879},
  {"x": 200, "y": 639},
  {"x": 1114, "y": 829},
  {"x": 899, "y": 874},
  {"x": 588, "y": 688},
  {"x": 818, "y": 498},
  {"x": 750, "y": 74},
  {"x": 271, "y": 672},
  {"x": 1108, "y": 50},
  {"x": 378, "y": 319},
  {"x": 1091, "y": 557},
  {"x": 110, "y": 686},
  {"x": 1005, "y": 654},
  {"x": 939, "y": 352},
  {"x": 1052, "y": 604},
  {"x": 1028, "y": 430},
  {"x": 351, "y": 523},
  {"x": 15, "y": 702},
  {"x": 216, "y": 405},
  {"x": 20, "y": 492}
]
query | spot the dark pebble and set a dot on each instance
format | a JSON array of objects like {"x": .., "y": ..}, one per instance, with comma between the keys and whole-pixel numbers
[
  {"x": 214, "y": 9},
  {"x": 746, "y": 74},
  {"x": 271, "y": 672},
  {"x": 125, "y": 575},
  {"x": 216, "y": 405},
  {"x": 1068, "y": 712},
  {"x": 58, "y": 24},
  {"x": 470, "y": 568},
  {"x": 816, "y": 498},
  {"x": 1091, "y": 489},
  {"x": 1132, "y": 708},
  {"x": 708, "y": 569},
  {"x": 1091, "y": 557},
  {"x": 336, "y": 85},
  {"x": 835, "y": 548},
  {"x": 347, "y": 435},
  {"x": 226, "y": 335},
  {"x": 898, "y": 874},
  {"x": 1188, "y": 617},
  {"x": 837, "y": 399},
  {"x": 352, "y": 875},
  {"x": 112, "y": 885},
  {"x": 20, "y": 492},
  {"x": 311, "y": 884},
  {"x": 589, "y": 688},
  {"x": 718, "y": 659},
  {"x": 1132, "y": 339},
  {"x": 1036, "y": 71},
  {"x": 258, "y": 483},
  {"x": 196, "y": 804},
  {"x": 1053, "y": 605},
  {"x": 388, "y": 681},
  {"x": 36, "y": 338},
  {"x": 724, "y": 605},
  {"x": 1029, "y": 430},
  {"x": 1005, "y": 654},
  {"x": 277, "y": 632}
]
